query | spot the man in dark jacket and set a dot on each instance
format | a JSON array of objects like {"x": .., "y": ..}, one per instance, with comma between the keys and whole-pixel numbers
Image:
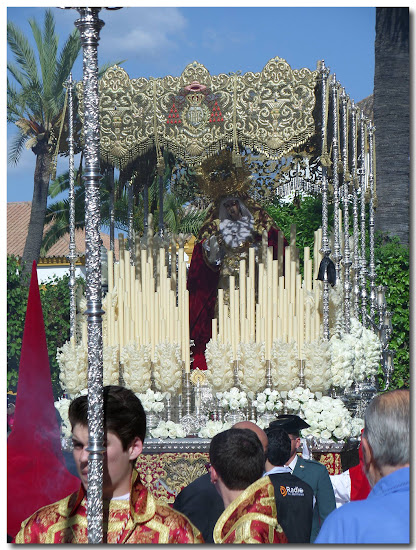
[
  {"x": 200, "y": 501},
  {"x": 294, "y": 497},
  {"x": 312, "y": 472}
]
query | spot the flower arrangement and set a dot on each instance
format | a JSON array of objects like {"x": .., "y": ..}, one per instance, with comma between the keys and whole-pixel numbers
[
  {"x": 153, "y": 401},
  {"x": 329, "y": 419},
  {"x": 284, "y": 365},
  {"x": 294, "y": 399},
  {"x": 252, "y": 367},
  {"x": 317, "y": 365},
  {"x": 267, "y": 401},
  {"x": 367, "y": 351},
  {"x": 213, "y": 427},
  {"x": 342, "y": 360},
  {"x": 167, "y": 367},
  {"x": 73, "y": 367},
  {"x": 219, "y": 359},
  {"x": 233, "y": 400},
  {"x": 136, "y": 366},
  {"x": 168, "y": 429}
]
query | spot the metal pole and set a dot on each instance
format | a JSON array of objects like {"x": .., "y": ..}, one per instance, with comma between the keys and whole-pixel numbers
[
  {"x": 347, "y": 259},
  {"x": 72, "y": 256},
  {"x": 335, "y": 180},
  {"x": 356, "y": 266},
  {"x": 89, "y": 27},
  {"x": 110, "y": 172},
  {"x": 325, "y": 249},
  {"x": 130, "y": 221},
  {"x": 372, "y": 273},
  {"x": 363, "y": 269}
]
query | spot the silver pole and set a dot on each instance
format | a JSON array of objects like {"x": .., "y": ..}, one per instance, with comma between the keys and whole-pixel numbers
[
  {"x": 72, "y": 256},
  {"x": 356, "y": 265},
  {"x": 130, "y": 221},
  {"x": 372, "y": 272},
  {"x": 89, "y": 27},
  {"x": 325, "y": 248},
  {"x": 347, "y": 259},
  {"x": 335, "y": 180},
  {"x": 363, "y": 269},
  {"x": 110, "y": 172}
]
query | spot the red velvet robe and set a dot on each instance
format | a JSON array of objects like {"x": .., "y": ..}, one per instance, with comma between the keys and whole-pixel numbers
[
  {"x": 149, "y": 521},
  {"x": 251, "y": 517}
]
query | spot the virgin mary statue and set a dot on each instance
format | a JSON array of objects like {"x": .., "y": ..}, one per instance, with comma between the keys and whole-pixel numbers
[{"x": 235, "y": 223}]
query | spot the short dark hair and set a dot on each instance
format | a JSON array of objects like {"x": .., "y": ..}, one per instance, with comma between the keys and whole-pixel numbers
[
  {"x": 279, "y": 447},
  {"x": 123, "y": 414},
  {"x": 238, "y": 457}
]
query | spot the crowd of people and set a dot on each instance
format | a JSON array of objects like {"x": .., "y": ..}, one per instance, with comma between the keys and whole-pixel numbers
[{"x": 258, "y": 489}]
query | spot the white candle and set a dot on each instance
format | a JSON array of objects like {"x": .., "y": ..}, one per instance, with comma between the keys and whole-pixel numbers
[
  {"x": 251, "y": 264},
  {"x": 287, "y": 268},
  {"x": 232, "y": 315},
  {"x": 186, "y": 330},
  {"x": 301, "y": 321},
  {"x": 110, "y": 270},
  {"x": 221, "y": 315},
  {"x": 214, "y": 330},
  {"x": 242, "y": 285},
  {"x": 280, "y": 248}
]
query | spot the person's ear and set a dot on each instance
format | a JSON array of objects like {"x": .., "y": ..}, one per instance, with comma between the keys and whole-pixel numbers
[
  {"x": 135, "y": 448},
  {"x": 213, "y": 475},
  {"x": 367, "y": 452}
]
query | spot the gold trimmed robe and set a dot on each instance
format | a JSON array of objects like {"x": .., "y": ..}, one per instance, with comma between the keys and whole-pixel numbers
[
  {"x": 251, "y": 518},
  {"x": 140, "y": 520}
]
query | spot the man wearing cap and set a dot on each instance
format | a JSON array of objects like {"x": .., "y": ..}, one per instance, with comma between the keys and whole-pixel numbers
[
  {"x": 294, "y": 497},
  {"x": 312, "y": 472}
]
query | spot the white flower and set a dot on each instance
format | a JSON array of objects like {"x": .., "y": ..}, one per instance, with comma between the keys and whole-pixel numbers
[
  {"x": 325, "y": 434},
  {"x": 213, "y": 427},
  {"x": 261, "y": 407}
]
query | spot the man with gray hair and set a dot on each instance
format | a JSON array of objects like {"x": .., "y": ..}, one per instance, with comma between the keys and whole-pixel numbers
[{"x": 384, "y": 516}]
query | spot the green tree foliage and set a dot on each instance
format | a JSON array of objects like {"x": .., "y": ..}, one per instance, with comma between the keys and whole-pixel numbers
[
  {"x": 392, "y": 271},
  {"x": 306, "y": 213},
  {"x": 54, "y": 296}
]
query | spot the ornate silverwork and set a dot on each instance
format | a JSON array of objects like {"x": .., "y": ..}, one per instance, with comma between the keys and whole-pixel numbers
[
  {"x": 72, "y": 256},
  {"x": 362, "y": 174},
  {"x": 335, "y": 180},
  {"x": 371, "y": 223},
  {"x": 325, "y": 248},
  {"x": 356, "y": 231},
  {"x": 346, "y": 181},
  {"x": 89, "y": 26}
]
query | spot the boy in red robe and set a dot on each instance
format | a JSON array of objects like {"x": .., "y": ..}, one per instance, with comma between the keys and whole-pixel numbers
[{"x": 131, "y": 514}]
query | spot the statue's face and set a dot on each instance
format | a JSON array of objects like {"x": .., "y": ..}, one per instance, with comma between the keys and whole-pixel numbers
[{"x": 233, "y": 209}]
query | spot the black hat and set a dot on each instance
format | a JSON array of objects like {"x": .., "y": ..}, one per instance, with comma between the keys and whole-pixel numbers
[{"x": 291, "y": 423}]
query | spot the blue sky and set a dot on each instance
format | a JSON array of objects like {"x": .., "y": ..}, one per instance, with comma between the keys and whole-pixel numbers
[{"x": 162, "y": 40}]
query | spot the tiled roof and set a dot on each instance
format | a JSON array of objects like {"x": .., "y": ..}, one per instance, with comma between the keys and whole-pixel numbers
[{"x": 18, "y": 216}]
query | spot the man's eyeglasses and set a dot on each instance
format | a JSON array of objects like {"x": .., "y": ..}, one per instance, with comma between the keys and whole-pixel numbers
[{"x": 208, "y": 467}]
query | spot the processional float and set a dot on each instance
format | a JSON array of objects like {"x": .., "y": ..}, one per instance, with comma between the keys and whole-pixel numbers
[{"x": 297, "y": 131}]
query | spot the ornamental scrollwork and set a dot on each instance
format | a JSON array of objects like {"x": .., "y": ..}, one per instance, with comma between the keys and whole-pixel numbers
[{"x": 197, "y": 114}]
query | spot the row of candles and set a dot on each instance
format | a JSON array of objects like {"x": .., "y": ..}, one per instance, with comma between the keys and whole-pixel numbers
[
  {"x": 152, "y": 304},
  {"x": 280, "y": 310}
]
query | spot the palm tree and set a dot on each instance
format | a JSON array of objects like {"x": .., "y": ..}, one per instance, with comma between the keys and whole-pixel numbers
[
  {"x": 179, "y": 214},
  {"x": 392, "y": 121},
  {"x": 35, "y": 105}
]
